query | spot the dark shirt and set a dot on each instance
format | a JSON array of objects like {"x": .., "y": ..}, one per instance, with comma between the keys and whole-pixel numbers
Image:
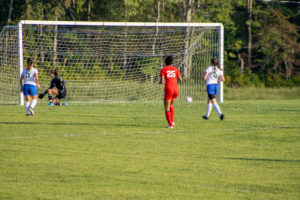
[{"x": 58, "y": 83}]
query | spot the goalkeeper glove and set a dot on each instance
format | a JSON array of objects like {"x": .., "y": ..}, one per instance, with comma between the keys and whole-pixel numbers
[{"x": 41, "y": 96}]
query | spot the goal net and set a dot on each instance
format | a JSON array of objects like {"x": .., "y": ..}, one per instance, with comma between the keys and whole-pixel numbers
[{"x": 107, "y": 61}]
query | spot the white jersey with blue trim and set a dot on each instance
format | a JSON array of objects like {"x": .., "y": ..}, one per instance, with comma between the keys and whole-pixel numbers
[
  {"x": 213, "y": 75},
  {"x": 29, "y": 76}
]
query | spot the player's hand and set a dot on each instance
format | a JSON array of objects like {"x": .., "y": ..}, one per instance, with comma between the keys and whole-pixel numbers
[
  {"x": 21, "y": 90},
  {"x": 38, "y": 85},
  {"x": 41, "y": 96}
]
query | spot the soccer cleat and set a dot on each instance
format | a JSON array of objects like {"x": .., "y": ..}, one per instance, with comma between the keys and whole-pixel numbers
[
  {"x": 173, "y": 123},
  {"x": 222, "y": 116},
  {"x": 170, "y": 127},
  {"x": 50, "y": 103},
  {"x": 65, "y": 104},
  {"x": 204, "y": 117},
  {"x": 27, "y": 115},
  {"x": 31, "y": 111}
]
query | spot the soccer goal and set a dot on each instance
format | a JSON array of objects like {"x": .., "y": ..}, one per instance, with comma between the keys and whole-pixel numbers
[{"x": 109, "y": 61}]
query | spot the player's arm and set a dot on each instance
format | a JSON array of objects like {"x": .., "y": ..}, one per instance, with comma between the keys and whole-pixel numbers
[
  {"x": 179, "y": 76},
  {"x": 21, "y": 82},
  {"x": 205, "y": 75},
  {"x": 37, "y": 80},
  {"x": 162, "y": 77},
  {"x": 221, "y": 78},
  {"x": 46, "y": 91},
  {"x": 163, "y": 80}
]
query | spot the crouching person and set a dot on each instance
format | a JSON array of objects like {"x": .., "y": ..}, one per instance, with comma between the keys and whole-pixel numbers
[{"x": 57, "y": 87}]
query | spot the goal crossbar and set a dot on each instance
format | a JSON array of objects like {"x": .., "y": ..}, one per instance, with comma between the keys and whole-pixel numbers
[{"x": 145, "y": 24}]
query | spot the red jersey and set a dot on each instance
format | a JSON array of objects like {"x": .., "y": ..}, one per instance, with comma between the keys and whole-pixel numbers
[{"x": 170, "y": 73}]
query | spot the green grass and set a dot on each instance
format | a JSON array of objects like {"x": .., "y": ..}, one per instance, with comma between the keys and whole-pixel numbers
[
  {"x": 252, "y": 93},
  {"x": 124, "y": 151}
]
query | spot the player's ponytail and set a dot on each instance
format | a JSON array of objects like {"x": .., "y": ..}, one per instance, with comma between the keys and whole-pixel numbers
[{"x": 215, "y": 63}]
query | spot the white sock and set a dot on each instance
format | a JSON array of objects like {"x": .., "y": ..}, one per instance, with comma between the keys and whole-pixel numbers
[
  {"x": 217, "y": 108},
  {"x": 27, "y": 106},
  {"x": 208, "y": 109},
  {"x": 33, "y": 103}
]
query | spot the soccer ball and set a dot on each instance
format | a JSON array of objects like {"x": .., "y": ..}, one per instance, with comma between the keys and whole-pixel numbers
[{"x": 188, "y": 99}]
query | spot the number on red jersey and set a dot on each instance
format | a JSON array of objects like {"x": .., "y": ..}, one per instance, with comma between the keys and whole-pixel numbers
[{"x": 171, "y": 74}]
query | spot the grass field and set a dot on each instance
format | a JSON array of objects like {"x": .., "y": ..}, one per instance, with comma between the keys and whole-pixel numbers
[{"x": 124, "y": 151}]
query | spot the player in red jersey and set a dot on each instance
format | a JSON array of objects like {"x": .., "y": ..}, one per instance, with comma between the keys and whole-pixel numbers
[{"x": 169, "y": 75}]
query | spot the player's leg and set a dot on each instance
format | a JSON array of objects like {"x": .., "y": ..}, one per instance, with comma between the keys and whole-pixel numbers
[
  {"x": 208, "y": 108},
  {"x": 34, "y": 94},
  {"x": 27, "y": 104},
  {"x": 56, "y": 101},
  {"x": 168, "y": 112},
  {"x": 214, "y": 102},
  {"x": 27, "y": 98},
  {"x": 50, "y": 93},
  {"x": 167, "y": 104},
  {"x": 217, "y": 108},
  {"x": 61, "y": 94},
  {"x": 172, "y": 110},
  {"x": 209, "y": 102}
]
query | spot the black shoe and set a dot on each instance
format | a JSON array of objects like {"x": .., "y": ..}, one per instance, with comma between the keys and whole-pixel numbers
[
  {"x": 222, "y": 116},
  {"x": 204, "y": 117}
]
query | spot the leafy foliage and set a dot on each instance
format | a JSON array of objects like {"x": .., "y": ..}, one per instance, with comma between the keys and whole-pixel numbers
[{"x": 275, "y": 28}]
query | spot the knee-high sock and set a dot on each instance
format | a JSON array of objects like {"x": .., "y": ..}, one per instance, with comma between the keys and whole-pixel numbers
[
  {"x": 168, "y": 116},
  {"x": 27, "y": 106},
  {"x": 33, "y": 103},
  {"x": 217, "y": 108},
  {"x": 208, "y": 109},
  {"x": 50, "y": 97},
  {"x": 172, "y": 113}
]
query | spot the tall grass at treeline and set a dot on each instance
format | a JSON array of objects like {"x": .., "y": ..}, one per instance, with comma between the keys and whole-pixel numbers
[{"x": 256, "y": 93}]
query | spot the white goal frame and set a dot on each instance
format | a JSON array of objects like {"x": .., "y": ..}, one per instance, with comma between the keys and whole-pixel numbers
[{"x": 36, "y": 22}]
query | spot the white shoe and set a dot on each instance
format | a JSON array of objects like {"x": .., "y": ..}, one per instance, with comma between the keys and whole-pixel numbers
[
  {"x": 173, "y": 123},
  {"x": 31, "y": 111},
  {"x": 170, "y": 127}
]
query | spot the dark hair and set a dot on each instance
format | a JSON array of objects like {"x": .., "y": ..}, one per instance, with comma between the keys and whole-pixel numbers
[
  {"x": 169, "y": 60},
  {"x": 215, "y": 61},
  {"x": 30, "y": 60},
  {"x": 54, "y": 71}
]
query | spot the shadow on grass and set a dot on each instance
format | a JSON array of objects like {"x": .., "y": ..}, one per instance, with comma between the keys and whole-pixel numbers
[
  {"x": 105, "y": 116},
  {"x": 262, "y": 159},
  {"x": 71, "y": 124}
]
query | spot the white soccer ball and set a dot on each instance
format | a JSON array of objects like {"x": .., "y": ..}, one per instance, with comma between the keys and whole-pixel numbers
[{"x": 188, "y": 99}]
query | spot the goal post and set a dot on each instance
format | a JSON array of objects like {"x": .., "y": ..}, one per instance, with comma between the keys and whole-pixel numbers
[
  {"x": 20, "y": 60},
  {"x": 111, "y": 61}
]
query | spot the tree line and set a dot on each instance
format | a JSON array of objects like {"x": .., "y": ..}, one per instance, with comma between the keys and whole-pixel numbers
[{"x": 261, "y": 37}]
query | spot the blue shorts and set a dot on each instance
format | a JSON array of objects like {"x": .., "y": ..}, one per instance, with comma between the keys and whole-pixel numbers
[
  {"x": 30, "y": 90},
  {"x": 212, "y": 89}
]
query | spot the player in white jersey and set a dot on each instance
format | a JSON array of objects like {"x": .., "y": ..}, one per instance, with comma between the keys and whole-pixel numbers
[
  {"x": 29, "y": 88},
  {"x": 213, "y": 75}
]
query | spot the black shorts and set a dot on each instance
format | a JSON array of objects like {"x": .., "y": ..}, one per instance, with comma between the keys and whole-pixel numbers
[{"x": 62, "y": 94}]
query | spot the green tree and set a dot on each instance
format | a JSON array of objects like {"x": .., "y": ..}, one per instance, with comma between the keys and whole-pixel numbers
[{"x": 277, "y": 43}]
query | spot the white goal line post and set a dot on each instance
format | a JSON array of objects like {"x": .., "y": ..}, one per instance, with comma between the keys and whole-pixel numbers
[{"x": 129, "y": 24}]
